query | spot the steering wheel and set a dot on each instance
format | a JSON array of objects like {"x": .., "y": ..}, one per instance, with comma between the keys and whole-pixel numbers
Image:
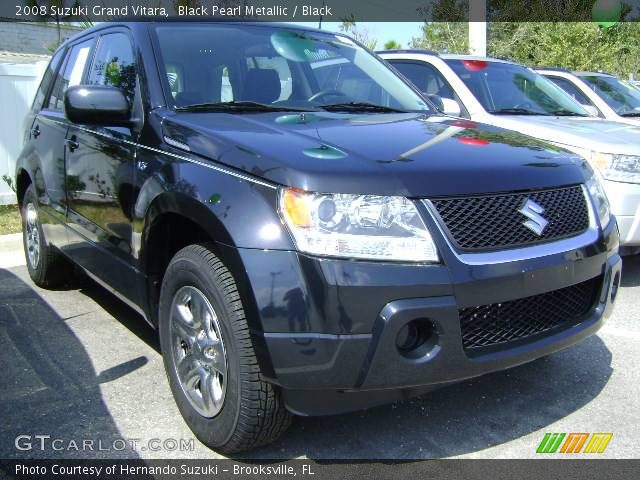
[
  {"x": 524, "y": 105},
  {"x": 326, "y": 93}
]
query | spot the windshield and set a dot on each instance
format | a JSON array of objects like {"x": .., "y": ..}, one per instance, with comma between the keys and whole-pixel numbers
[
  {"x": 624, "y": 99},
  {"x": 505, "y": 88},
  {"x": 247, "y": 68}
]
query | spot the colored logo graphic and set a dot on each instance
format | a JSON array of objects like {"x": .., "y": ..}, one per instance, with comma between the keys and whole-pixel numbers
[
  {"x": 607, "y": 13},
  {"x": 573, "y": 442}
]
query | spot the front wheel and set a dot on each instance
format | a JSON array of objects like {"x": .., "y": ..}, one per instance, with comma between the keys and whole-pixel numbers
[{"x": 209, "y": 357}]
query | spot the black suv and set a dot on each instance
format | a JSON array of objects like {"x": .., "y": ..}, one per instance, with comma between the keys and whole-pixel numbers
[{"x": 307, "y": 232}]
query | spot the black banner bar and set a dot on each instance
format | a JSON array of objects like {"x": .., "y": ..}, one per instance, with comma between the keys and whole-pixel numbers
[
  {"x": 314, "y": 10},
  {"x": 320, "y": 470}
]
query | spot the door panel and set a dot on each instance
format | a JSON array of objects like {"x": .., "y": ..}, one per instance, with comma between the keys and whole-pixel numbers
[
  {"x": 48, "y": 133},
  {"x": 100, "y": 177}
]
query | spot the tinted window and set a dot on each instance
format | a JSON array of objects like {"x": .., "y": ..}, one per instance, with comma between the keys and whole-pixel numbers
[
  {"x": 624, "y": 99},
  {"x": 426, "y": 77},
  {"x": 269, "y": 65},
  {"x": 571, "y": 89},
  {"x": 339, "y": 75},
  {"x": 47, "y": 79},
  {"x": 114, "y": 64},
  {"x": 506, "y": 88},
  {"x": 71, "y": 74}
]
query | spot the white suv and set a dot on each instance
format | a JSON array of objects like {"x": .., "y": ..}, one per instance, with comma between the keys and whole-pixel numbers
[
  {"x": 509, "y": 95},
  {"x": 610, "y": 97}
]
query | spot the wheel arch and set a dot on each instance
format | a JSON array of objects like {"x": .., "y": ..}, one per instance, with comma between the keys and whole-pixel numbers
[
  {"x": 174, "y": 221},
  {"x": 23, "y": 180}
]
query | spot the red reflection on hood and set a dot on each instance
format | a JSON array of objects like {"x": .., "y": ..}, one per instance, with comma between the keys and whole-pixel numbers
[
  {"x": 475, "y": 65},
  {"x": 464, "y": 124},
  {"x": 476, "y": 142}
]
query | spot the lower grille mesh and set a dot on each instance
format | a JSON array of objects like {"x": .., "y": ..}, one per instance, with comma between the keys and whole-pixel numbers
[{"x": 495, "y": 326}]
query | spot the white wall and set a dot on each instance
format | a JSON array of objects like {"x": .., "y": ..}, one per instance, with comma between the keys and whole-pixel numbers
[{"x": 18, "y": 85}]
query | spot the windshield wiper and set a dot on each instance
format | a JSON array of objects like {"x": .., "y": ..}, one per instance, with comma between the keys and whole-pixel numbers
[
  {"x": 630, "y": 114},
  {"x": 360, "y": 107},
  {"x": 238, "y": 106},
  {"x": 516, "y": 111},
  {"x": 567, "y": 113}
]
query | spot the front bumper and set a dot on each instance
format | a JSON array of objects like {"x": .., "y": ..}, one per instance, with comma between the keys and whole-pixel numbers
[
  {"x": 329, "y": 327},
  {"x": 625, "y": 205}
]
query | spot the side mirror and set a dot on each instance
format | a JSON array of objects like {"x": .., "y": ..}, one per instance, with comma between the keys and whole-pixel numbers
[
  {"x": 591, "y": 110},
  {"x": 97, "y": 105},
  {"x": 450, "y": 107}
]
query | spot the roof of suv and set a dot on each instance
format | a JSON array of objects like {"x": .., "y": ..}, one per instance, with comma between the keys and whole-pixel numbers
[
  {"x": 446, "y": 56},
  {"x": 104, "y": 25},
  {"x": 422, "y": 51},
  {"x": 593, "y": 74},
  {"x": 576, "y": 73}
]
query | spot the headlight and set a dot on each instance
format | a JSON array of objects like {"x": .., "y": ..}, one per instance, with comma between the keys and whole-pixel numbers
[
  {"x": 357, "y": 226},
  {"x": 619, "y": 168},
  {"x": 599, "y": 198}
]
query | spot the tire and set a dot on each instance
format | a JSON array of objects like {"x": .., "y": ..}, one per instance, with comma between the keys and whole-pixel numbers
[
  {"x": 205, "y": 336},
  {"x": 48, "y": 268}
]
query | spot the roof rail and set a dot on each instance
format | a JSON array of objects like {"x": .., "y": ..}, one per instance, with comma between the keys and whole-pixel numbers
[
  {"x": 554, "y": 69},
  {"x": 410, "y": 50}
]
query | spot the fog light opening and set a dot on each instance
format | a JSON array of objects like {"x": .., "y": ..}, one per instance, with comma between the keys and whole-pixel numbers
[
  {"x": 416, "y": 338},
  {"x": 614, "y": 286}
]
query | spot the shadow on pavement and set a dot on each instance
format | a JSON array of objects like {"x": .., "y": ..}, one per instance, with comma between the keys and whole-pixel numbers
[
  {"x": 460, "y": 419},
  {"x": 48, "y": 385},
  {"x": 119, "y": 310},
  {"x": 50, "y": 382},
  {"x": 631, "y": 271}
]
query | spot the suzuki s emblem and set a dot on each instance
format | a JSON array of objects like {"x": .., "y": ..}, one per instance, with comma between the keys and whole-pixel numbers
[{"x": 536, "y": 223}]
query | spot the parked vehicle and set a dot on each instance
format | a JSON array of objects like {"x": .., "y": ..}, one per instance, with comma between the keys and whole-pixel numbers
[
  {"x": 607, "y": 95},
  {"x": 508, "y": 95},
  {"x": 321, "y": 242}
]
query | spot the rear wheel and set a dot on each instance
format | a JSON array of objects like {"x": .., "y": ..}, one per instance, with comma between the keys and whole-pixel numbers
[
  {"x": 209, "y": 357},
  {"x": 47, "y": 267}
]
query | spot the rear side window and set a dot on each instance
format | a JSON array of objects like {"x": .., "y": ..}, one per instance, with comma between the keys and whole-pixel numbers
[
  {"x": 114, "y": 64},
  {"x": 429, "y": 81},
  {"x": 571, "y": 89},
  {"x": 424, "y": 76},
  {"x": 47, "y": 79},
  {"x": 71, "y": 74}
]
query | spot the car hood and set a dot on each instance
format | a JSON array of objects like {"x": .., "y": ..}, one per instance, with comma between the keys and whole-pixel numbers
[
  {"x": 386, "y": 154},
  {"x": 575, "y": 133}
]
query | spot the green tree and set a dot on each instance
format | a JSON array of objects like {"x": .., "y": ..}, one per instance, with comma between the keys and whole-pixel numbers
[
  {"x": 361, "y": 34},
  {"x": 574, "y": 45},
  {"x": 392, "y": 45},
  {"x": 443, "y": 37}
]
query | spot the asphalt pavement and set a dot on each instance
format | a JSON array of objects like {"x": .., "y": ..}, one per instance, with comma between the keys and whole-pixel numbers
[{"x": 80, "y": 366}]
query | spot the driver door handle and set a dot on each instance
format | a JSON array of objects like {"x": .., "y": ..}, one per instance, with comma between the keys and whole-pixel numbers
[{"x": 72, "y": 144}]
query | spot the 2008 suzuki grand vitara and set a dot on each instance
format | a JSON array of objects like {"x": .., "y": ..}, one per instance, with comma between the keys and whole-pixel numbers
[{"x": 307, "y": 232}]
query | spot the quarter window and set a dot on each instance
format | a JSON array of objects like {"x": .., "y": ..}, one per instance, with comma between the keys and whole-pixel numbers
[
  {"x": 571, "y": 89},
  {"x": 71, "y": 74},
  {"x": 47, "y": 79}
]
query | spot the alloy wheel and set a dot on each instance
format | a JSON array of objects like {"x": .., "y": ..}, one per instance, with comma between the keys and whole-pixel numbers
[{"x": 198, "y": 352}]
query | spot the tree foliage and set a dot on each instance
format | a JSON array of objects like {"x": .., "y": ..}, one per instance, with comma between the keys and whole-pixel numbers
[
  {"x": 443, "y": 37},
  {"x": 392, "y": 45},
  {"x": 361, "y": 34},
  {"x": 574, "y": 45}
]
